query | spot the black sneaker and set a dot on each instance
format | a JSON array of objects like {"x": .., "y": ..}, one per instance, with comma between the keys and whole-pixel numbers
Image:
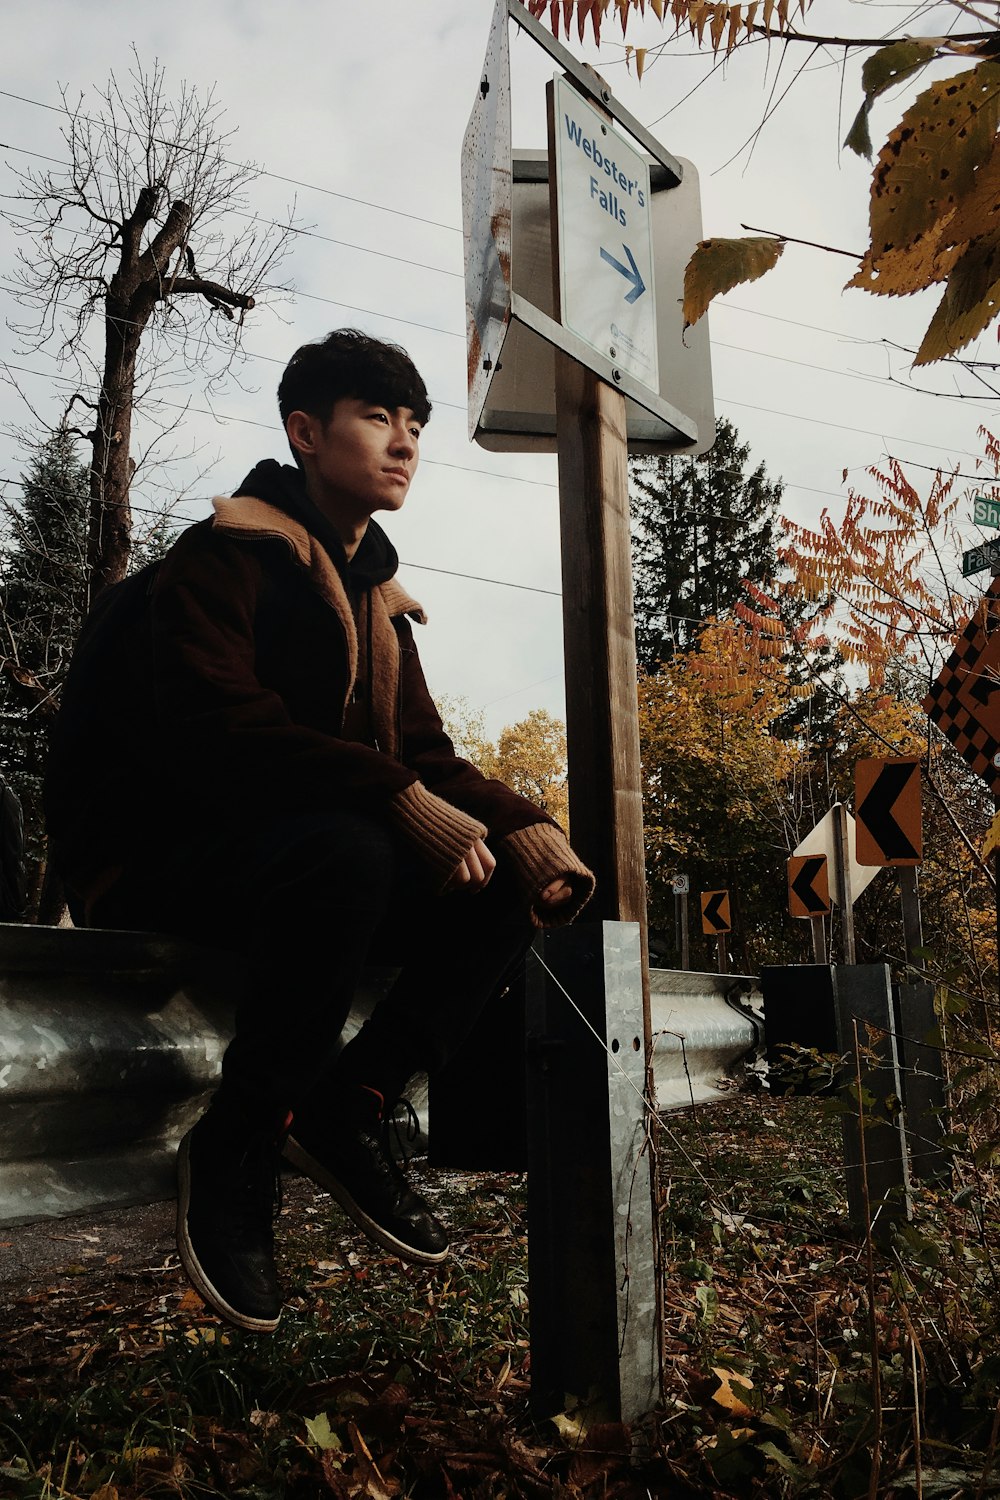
[
  {"x": 228, "y": 1190},
  {"x": 349, "y": 1156}
]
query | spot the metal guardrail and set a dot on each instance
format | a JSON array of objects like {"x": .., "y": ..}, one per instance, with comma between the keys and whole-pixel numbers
[
  {"x": 111, "y": 1042},
  {"x": 705, "y": 1028},
  {"x": 109, "y": 1046}
]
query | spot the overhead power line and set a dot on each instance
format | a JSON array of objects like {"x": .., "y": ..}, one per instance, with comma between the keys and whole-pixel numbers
[
  {"x": 223, "y": 417},
  {"x": 314, "y": 187},
  {"x": 445, "y": 271},
  {"x": 420, "y": 219},
  {"x": 887, "y": 380},
  {"x": 504, "y": 583},
  {"x": 793, "y": 416},
  {"x": 276, "y": 428}
]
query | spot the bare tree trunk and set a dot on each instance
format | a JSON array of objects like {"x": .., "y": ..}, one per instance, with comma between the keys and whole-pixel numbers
[{"x": 110, "y": 531}]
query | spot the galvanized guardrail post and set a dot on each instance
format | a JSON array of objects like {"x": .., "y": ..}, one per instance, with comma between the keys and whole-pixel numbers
[
  {"x": 919, "y": 1045},
  {"x": 875, "y": 1160},
  {"x": 589, "y": 1177}
]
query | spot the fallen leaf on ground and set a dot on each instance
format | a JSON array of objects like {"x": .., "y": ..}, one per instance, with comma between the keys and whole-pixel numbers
[{"x": 729, "y": 1398}]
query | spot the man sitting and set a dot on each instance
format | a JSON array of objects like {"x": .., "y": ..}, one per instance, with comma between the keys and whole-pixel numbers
[{"x": 247, "y": 755}]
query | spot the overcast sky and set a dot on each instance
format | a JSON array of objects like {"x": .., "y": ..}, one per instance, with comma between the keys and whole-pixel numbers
[{"x": 365, "y": 107}]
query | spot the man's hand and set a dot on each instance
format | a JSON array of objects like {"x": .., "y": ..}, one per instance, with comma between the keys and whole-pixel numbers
[
  {"x": 555, "y": 893},
  {"x": 474, "y": 871}
]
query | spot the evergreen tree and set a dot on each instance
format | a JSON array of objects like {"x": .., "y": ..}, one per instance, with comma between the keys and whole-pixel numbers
[
  {"x": 43, "y": 592},
  {"x": 699, "y": 528}
]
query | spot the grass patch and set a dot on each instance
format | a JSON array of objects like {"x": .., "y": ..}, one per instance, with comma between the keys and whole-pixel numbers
[{"x": 789, "y": 1371}]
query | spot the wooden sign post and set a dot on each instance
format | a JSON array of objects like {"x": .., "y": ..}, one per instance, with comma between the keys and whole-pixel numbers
[
  {"x": 602, "y": 726},
  {"x": 594, "y": 1283},
  {"x": 593, "y": 1270}
]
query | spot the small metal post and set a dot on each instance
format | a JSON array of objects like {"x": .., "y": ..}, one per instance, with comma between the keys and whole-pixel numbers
[
  {"x": 842, "y": 863},
  {"x": 863, "y": 1002},
  {"x": 818, "y": 939},
  {"x": 923, "y": 1081},
  {"x": 591, "y": 1276},
  {"x": 723, "y": 955},
  {"x": 682, "y": 909},
  {"x": 910, "y": 901}
]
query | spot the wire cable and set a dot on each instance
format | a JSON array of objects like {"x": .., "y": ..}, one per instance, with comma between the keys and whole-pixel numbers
[{"x": 61, "y": 109}]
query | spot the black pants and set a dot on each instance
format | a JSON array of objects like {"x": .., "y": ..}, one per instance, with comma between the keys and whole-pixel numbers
[{"x": 310, "y": 901}]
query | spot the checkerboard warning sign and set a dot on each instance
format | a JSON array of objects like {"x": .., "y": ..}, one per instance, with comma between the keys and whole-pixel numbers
[{"x": 965, "y": 700}]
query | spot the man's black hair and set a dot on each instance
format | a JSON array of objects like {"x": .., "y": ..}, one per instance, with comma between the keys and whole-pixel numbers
[{"x": 351, "y": 363}]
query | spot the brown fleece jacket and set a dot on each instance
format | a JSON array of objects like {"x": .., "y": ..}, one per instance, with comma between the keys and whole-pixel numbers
[{"x": 230, "y": 696}]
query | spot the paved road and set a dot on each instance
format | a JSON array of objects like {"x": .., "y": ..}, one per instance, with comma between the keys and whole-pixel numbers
[{"x": 30, "y": 1253}]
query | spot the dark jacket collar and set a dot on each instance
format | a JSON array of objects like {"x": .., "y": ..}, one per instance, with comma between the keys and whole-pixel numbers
[{"x": 283, "y": 486}]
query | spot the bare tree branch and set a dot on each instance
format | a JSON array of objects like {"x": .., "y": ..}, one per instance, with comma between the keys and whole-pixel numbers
[{"x": 114, "y": 235}]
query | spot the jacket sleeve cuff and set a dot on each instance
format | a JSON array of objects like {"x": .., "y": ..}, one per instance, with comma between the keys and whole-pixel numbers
[
  {"x": 539, "y": 854},
  {"x": 441, "y": 833}
]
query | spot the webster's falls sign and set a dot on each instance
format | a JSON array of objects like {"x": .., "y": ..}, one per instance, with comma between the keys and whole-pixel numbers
[{"x": 605, "y": 239}]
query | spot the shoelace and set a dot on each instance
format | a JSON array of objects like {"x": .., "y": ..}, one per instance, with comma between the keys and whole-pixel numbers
[{"x": 406, "y": 1136}]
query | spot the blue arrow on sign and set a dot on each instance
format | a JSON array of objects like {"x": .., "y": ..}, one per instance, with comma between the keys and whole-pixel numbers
[{"x": 630, "y": 272}]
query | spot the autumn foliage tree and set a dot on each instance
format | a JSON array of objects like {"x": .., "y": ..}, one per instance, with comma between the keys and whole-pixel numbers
[
  {"x": 736, "y": 772},
  {"x": 885, "y": 576},
  {"x": 719, "y": 783},
  {"x": 529, "y": 756},
  {"x": 885, "y": 584},
  {"x": 143, "y": 234}
]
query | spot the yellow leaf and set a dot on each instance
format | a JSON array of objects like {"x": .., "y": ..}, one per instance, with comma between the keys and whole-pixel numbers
[
  {"x": 735, "y": 22},
  {"x": 640, "y": 60},
  {"x": 970, "y": 303},
  {"x": 907, "y": 268},
  {"x": 726, "y": 1397},
  {"x": 718, "y": 265},
  {"x": 928, "y": 163},
  {"x": 992, "y": 837},
  {"x": 206, "y": 1336},
  {"x": 571, "y": 1429},
  {"x": 979, "y": 211},
  {"x": 657, "y": 9},
  {"x": 768, "y": 12},
  {"x": 319, "y": 1433}
]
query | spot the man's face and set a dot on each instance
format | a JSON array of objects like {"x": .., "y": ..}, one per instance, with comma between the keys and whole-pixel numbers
[{"x": 362, "y": 459}]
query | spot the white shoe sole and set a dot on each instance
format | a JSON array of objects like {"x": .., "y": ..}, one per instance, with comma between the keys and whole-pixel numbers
[{"x": 191, "y": 1263}]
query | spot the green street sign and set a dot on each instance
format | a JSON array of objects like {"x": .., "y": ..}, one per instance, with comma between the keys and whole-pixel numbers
[
  {"x": 980, "y": 558},
  {"x": 986, "y": 512}
]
